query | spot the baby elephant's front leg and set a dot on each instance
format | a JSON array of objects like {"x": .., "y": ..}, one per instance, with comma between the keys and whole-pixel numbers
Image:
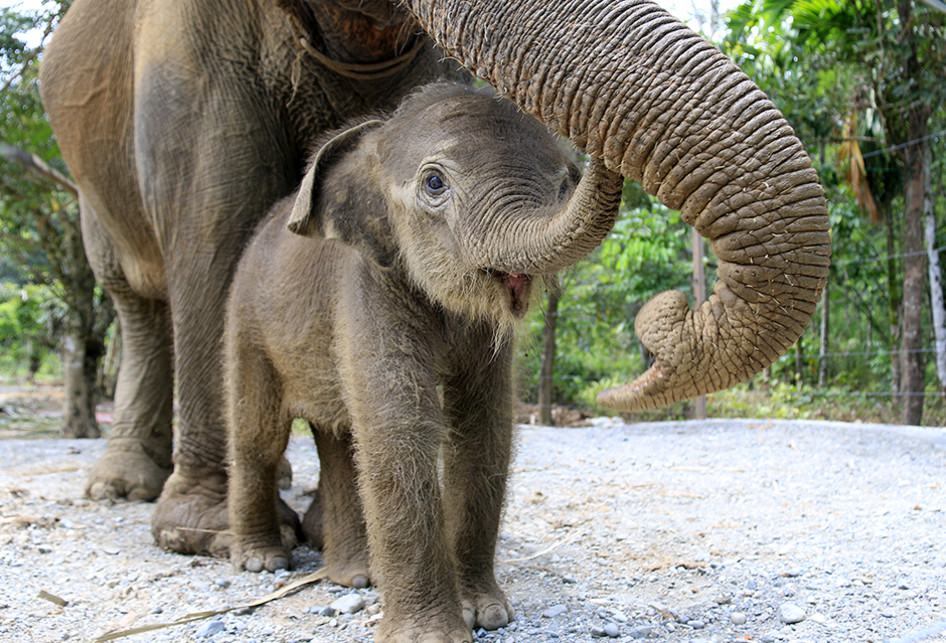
[
  {"x": 397, "y": 467},
  {"x": 475, "y": 469}
]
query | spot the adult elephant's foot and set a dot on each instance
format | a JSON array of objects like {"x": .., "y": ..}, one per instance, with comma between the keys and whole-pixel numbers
[
  {"x": 130, "y": 469},
  {"x": 485, "y": 607},
  {"x": 191, "y": 516}
]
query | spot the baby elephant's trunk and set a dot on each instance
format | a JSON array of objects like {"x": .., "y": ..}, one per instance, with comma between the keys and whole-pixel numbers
[{"x": 549, "y": 240}]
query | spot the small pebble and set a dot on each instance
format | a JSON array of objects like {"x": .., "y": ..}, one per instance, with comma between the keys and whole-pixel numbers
[
  {"x": 640, "y": 632},
  {"x": 207, "y": 630},
  {"x": 612, "y": 630},
  {"x": 348, "y": 604},
  {"x": 738, "y": 618},
  {"x": 696, "y": 624},
  {"x": 323, "y": 610},
  {"x": 791, "y": 613}
]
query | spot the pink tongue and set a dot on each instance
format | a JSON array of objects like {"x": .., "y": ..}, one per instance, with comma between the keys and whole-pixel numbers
[{"x": 518, "y": 286}]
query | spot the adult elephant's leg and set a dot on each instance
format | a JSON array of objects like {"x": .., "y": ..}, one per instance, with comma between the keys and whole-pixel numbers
[
  {"x": 137, "y": 459},
  {"x": 478, "y": 402},
  {"x": 191, "y": 514},
  {"x": 207, "y": 179}
]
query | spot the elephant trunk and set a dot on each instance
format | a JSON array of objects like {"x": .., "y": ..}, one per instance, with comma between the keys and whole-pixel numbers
[
  {"x": 546, "y": 240},
  {"x": 634, "y": 87}
]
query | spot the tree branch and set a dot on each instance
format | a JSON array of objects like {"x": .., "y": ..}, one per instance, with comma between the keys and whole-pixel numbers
[{"x": 36, "y": 166}]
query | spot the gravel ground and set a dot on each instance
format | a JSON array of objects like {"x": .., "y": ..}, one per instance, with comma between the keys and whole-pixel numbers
[{"x": 714, "y": 531}]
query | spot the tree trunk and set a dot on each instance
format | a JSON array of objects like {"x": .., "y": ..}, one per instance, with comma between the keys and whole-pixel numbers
[
  {"x": 81, "y": 347},
  {"x": 936, "y": 280},
  {"x": 893, "y": 304},
  {"x": 823, "y": 357},
  {"x": 699, "y": 296},
  {"x": 547, "y": 370},
  {"x": 911, "y": 347},
  {"x": 798, "y": 365},
  {"x": 78, "y": 369}
]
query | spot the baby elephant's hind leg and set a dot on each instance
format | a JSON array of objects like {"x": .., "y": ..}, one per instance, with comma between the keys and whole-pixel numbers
[
  {"x": 259, "y": 432},
  {"x": 345, "y": 541}
]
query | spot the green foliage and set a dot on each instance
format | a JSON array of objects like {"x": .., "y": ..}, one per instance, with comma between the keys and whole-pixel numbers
[
  {"x": 40, "y": 239},
  {"x": 29, "y": 316},
  {"x": 34, "y": 216}
]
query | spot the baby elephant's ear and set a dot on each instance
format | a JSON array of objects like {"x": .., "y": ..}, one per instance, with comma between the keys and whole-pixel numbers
[{"x": 305, "y": 220}]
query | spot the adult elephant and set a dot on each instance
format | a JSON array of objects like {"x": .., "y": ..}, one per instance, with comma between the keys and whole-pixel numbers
[{"x": 183, "y": 121}]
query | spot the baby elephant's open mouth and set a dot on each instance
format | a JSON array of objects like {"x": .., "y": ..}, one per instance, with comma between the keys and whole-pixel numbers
[{"x": 518, "y": 287}]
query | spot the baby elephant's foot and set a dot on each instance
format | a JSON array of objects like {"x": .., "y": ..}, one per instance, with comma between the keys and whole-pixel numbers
[
  {"x": 255, "y": 557},
  {"x": 352, "y": 573},
  {"x": 486, "y": 608},
  {"x": 429, "y": 631}
]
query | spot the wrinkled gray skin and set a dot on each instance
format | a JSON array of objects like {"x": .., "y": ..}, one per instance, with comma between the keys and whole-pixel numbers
[
  {"x": 184, "y": 121},
  {"x": 356, "y": 337}
]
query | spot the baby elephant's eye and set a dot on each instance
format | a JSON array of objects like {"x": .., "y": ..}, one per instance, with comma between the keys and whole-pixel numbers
[{"x": 435, "y": 184}]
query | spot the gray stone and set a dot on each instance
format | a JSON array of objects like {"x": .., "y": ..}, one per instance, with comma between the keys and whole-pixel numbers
[
  {"x": 348, "y": 604},
  {"x": 791, "y": 613},
  {"x": 207, "y": 630},
  {"x": 738, "y": 618},
  {"x": 611, "y": 630}
]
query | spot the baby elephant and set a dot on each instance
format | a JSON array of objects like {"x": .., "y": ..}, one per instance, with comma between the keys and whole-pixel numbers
[{"x": 390, "y": 330}]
